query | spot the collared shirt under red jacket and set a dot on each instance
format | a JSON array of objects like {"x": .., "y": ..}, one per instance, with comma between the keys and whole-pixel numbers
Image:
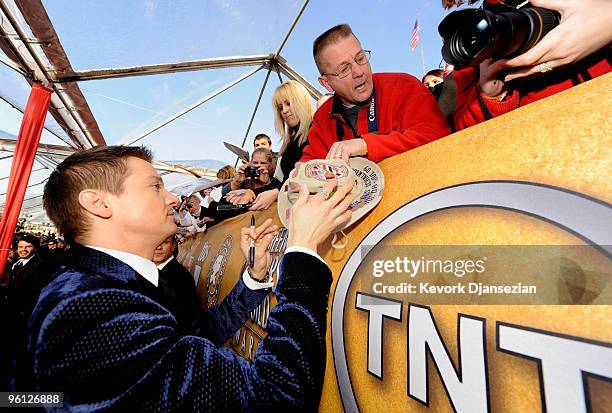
[{"x": 407, "y": 116}]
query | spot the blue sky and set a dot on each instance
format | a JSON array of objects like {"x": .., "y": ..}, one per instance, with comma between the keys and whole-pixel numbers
[{"x": 101, "y": 34}]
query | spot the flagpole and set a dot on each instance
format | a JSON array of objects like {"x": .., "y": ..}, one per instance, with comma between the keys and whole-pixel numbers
[
  {"x": 422, "y": 59},
  {"x": 421, "y": 45}
]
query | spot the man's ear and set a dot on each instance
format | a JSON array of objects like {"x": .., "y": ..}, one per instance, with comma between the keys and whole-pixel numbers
[
  {"x": 323, "y": 81},
  {"x": 96, "y": 203}
]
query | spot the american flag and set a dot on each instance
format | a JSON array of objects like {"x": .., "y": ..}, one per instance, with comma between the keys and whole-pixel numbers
[{"x": 415, "y": 37}]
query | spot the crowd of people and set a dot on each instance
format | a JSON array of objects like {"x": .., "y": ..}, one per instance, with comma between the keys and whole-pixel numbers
[
  {"x": 30, "y": 254},
  {"x": 119, "y": 327},
  {"x": 378, "y": 115}
]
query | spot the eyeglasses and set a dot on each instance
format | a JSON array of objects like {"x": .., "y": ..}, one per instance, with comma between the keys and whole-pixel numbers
[{"x": 347, "y": 68}]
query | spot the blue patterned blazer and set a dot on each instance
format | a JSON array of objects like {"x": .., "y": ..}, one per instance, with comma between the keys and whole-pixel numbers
[{"x": 101, "y": 334}]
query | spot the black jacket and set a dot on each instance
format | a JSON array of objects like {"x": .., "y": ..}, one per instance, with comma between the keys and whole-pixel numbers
[
  {"x": 100, "y": 334},
  {"x": 179, "y": 284}
]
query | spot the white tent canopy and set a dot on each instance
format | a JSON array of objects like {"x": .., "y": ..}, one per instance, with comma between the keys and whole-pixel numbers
[{"x": 178, "y": 77}]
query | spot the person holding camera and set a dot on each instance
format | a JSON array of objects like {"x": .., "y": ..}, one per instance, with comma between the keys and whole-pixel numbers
[
  {"x": 292, "y": 119},
  {"x": 253, "y": 178},
  {"x": 574, "y": 48},
  {"x": 191, "y": 214}
]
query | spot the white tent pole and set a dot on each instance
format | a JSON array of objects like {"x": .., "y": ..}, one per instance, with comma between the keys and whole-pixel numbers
[
  {"x": 30, "y": 186},
  {"x": 33, "y": 170},
  {"x": 293, "y": 74},
  {"x": 32, "y": 61},
  {"x": 16, "y": 107},
  {"x": 192, "y": 107},
  {"x": 163, "y": 68},
  {"x": 13, "y": 65},
  {"x": 246, "y": 134}
]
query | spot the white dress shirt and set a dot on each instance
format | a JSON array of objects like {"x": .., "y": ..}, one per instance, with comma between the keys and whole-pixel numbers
[
  {"x": 163, "y": 264},
  {"x": 141, "y": 265},
  {"x": 269, "y": 282},
  {"x": 22, "y": 261},
  {"x": 149, "y": 270}
]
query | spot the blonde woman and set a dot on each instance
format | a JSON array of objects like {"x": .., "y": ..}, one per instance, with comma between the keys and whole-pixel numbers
[{"x": 292, "y": 119}]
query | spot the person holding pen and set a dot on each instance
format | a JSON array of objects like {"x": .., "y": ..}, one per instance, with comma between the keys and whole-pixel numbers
[{"x": 100, "y": 332}]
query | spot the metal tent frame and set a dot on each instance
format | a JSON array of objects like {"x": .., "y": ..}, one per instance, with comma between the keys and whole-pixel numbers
[{"x": 34, "y": 50}]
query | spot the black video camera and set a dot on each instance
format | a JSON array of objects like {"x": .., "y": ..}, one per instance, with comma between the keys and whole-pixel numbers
[
  {"x": 229, "y": 207},
  {"x": 474, "y": 35},
  {"x": 251, "y": 172}
]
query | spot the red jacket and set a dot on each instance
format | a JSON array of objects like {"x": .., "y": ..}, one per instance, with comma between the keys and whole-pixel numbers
[
  {"x": 406, "y": 113},
  {"x": 469, "y": 111}
]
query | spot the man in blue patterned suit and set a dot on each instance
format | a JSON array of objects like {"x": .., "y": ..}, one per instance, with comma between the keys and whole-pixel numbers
[{"x": 101, "y": 333}]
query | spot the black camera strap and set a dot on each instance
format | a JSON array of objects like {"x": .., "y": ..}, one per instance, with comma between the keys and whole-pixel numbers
[{"x": 485, "y": 109}]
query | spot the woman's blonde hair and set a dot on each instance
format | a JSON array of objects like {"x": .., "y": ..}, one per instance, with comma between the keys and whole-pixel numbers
[
  {"x": 301, "y": 105},
  {"x": 227, "y": 172}
]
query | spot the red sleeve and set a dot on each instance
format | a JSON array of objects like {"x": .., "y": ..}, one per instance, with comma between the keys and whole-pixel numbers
[
  {"x": 317, "y": 148},
  {"x": 468, "y": 111},
  {"x": 420, "y": 122}
]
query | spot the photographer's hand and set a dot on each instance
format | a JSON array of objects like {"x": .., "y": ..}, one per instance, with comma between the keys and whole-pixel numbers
[
  {"x": 489, "y": 81},
  {"x": 238, "y": 178},
  {"x": 240, "y": 196},
  {"x": 584, "y": 29},
  {"x": 264, "y": 200},
  {"x": 264, "y": 175}
]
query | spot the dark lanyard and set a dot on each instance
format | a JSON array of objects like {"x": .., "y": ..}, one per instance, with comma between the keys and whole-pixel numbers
[{"x": 372, "y": 120}]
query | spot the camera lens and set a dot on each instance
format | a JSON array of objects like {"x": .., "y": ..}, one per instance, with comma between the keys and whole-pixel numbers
[
  {"x": 473, "y": 35},
  {"x": 473, "y": 38}
]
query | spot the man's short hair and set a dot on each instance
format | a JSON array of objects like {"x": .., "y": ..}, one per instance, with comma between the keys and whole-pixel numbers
[
  {"x": 262, "y": 136},
  {"x": 30, "y": 239},
  {"x": 331, "y": 36},
  {"x": 101, "y": 168}
]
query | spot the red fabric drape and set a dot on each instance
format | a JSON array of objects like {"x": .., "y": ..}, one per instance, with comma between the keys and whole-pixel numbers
[{"x": 21, "y": 168}]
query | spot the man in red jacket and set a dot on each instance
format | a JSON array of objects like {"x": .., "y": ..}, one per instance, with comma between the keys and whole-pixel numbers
[{"x": 375, "y": 116}]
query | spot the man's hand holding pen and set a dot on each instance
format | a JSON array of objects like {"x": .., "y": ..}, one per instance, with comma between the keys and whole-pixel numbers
[{"x": 261, "y": 237}]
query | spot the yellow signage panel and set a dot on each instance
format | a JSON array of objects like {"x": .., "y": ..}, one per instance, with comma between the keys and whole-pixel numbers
[{"x": 516, "y": 315}]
